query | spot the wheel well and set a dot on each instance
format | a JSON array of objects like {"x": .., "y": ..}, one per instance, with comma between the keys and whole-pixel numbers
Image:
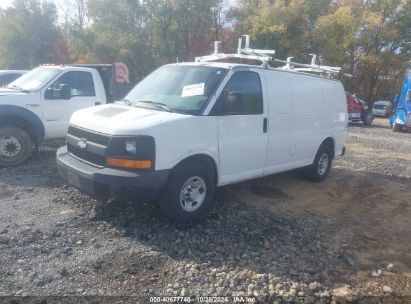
[
  {"x": 329, "y": 141},
  {"x": 16, "y": 121},
  {"x": 204, "y": 159}
]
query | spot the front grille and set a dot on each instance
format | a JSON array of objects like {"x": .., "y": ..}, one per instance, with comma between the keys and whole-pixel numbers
[
  {"x": 90, "y": 153},
  {"x": 87, "y": 156},
  {"x": 97, "y": 138}
]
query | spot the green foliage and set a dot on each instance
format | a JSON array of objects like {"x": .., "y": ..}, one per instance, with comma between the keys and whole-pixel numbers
[
  {"x": 370, "y": 39},
  {"x": 28, "y": 33}
]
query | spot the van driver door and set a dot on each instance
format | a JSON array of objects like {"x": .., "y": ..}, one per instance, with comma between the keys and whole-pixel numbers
[{"x": 242, "y": 128}]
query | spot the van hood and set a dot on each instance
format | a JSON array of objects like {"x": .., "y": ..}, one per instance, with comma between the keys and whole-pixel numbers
[{"x": 116, "y": 119}]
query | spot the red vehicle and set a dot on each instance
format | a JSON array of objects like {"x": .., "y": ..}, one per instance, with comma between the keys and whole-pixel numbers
[{"x": 358, "y": 111}]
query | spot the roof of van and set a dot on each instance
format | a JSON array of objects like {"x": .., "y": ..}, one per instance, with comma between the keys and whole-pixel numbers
[{"x": 231, "y": 65}]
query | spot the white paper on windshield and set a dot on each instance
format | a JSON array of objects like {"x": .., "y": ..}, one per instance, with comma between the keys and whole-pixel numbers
[{"x": 193, "y": 90}]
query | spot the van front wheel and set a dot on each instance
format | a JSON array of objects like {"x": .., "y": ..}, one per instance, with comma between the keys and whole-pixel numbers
[
  {"x": 190, "y": 192},
  {"x": 321, "y": 166}
]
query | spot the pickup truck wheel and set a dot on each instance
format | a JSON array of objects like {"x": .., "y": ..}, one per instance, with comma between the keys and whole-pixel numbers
[
  {"x": 321, "y": 166},
  {"x": 368, "y": 119},
  {"x": 15, "y": 146},
  {"x": 190, "y": 191}
]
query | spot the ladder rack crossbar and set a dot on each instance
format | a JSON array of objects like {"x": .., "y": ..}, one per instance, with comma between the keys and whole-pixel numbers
[{"x": 220, "y": 56}]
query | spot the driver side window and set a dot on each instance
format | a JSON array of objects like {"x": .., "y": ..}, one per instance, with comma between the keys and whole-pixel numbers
[
  {"x": 79, "y": 83},
  {"x": 242, "y": 95}
]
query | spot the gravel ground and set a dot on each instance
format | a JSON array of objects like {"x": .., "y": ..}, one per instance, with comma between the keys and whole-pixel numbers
[{"x": 279, "y": 239}]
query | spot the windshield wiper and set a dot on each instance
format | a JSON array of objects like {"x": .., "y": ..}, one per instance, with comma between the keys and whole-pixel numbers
[
  {"x": 14, "y": 87},
  {"x": 157, "y": 105},
  {"x": 126, "y": 101}
]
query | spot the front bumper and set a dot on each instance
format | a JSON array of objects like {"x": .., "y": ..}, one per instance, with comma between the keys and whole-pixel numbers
[{"x": 122, "y": 185}]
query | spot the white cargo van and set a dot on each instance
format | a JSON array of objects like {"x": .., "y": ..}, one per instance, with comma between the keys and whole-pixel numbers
[{"x": 188, "y": 128}]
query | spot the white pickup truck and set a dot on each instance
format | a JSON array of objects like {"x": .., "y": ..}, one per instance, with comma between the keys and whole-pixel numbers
[{"x": 39, "y": 104}]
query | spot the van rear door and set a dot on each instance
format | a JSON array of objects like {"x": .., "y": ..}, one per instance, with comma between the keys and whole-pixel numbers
[{"x": 242, "y": 128}]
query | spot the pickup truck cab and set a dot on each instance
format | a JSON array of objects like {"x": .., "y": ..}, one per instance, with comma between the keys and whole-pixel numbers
[
  {"x": 190, "y": 127},
  {"x": 401, "y": 108},
  {"x": 39, "y": 104},
  {"x": 357, "y": 111}
]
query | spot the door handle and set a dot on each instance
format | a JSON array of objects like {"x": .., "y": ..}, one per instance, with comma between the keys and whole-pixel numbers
[{"x": 265, "y": 122}]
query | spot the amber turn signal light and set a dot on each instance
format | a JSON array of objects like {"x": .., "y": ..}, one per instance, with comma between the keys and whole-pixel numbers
[{"x": 128, "y": 163}]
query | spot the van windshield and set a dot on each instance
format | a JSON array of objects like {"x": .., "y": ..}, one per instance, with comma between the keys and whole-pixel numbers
[
  {"x": 181, "y": 89},
  {"x": 35, "y": 79}
]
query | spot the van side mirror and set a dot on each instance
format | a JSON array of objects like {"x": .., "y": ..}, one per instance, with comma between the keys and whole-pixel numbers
[
  {"x": 65, "y": 91},
  {"x": 233, "y": 103}
]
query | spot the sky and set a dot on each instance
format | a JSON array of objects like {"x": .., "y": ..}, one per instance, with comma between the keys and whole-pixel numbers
[{"x": 5, "y": 3}]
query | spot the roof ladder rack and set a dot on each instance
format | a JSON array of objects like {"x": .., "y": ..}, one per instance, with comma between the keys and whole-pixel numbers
[
  {"x": 265, "y": 56},
  {"x": 242, "y": 53}
]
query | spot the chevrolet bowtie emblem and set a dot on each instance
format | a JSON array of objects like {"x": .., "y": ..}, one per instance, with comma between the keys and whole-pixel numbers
[{"x": 82, "y": 143}]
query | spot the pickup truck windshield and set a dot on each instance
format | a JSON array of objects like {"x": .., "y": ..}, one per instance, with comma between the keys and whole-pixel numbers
[
  {"x": 35, "y": 79},
  {"x": 181, "y": 89}
]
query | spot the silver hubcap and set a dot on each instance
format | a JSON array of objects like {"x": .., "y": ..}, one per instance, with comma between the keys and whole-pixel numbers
[
  {"x": 193, "y": 194},
  {"x": 323, "y": 164},
  {"x": 9, "y": 146}
]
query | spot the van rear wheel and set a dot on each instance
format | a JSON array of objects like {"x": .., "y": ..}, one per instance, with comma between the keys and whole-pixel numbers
[
  {"x": 15, "y": 146},
  {"x": 189, "y": 193},
  {"x": 321, "y": 165}
]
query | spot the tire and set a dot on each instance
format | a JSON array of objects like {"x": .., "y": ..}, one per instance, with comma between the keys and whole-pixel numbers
[
  {"x": 395, "y": 127},
  {"x": 368, "y": 119},
  {"x": 15, "y": 146},
  {"x": 189, "y": 178},
  {"x": 321, "y": 165}
]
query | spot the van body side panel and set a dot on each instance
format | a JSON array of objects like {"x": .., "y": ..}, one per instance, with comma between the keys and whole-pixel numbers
[
  {"x": 279, "y": 153},
  {"x": 179, "y": 139},
  {"x": 334, "y": 100},
  {"x": 309, "y": 122},
  {"x": 318, "y": 111}
]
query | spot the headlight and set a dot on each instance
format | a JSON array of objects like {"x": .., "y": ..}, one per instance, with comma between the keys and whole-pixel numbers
[{"x": 131, "y": 146}]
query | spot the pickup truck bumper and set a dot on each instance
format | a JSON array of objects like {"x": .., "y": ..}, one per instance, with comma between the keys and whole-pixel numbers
[{"x": 104, "y": 183}]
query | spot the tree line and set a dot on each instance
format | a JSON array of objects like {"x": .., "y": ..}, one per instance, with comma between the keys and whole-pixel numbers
[{"x": 369, "y": 39}]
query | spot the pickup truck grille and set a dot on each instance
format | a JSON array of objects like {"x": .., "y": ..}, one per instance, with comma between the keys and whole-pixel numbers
[{"x": 87, "y": 145}]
